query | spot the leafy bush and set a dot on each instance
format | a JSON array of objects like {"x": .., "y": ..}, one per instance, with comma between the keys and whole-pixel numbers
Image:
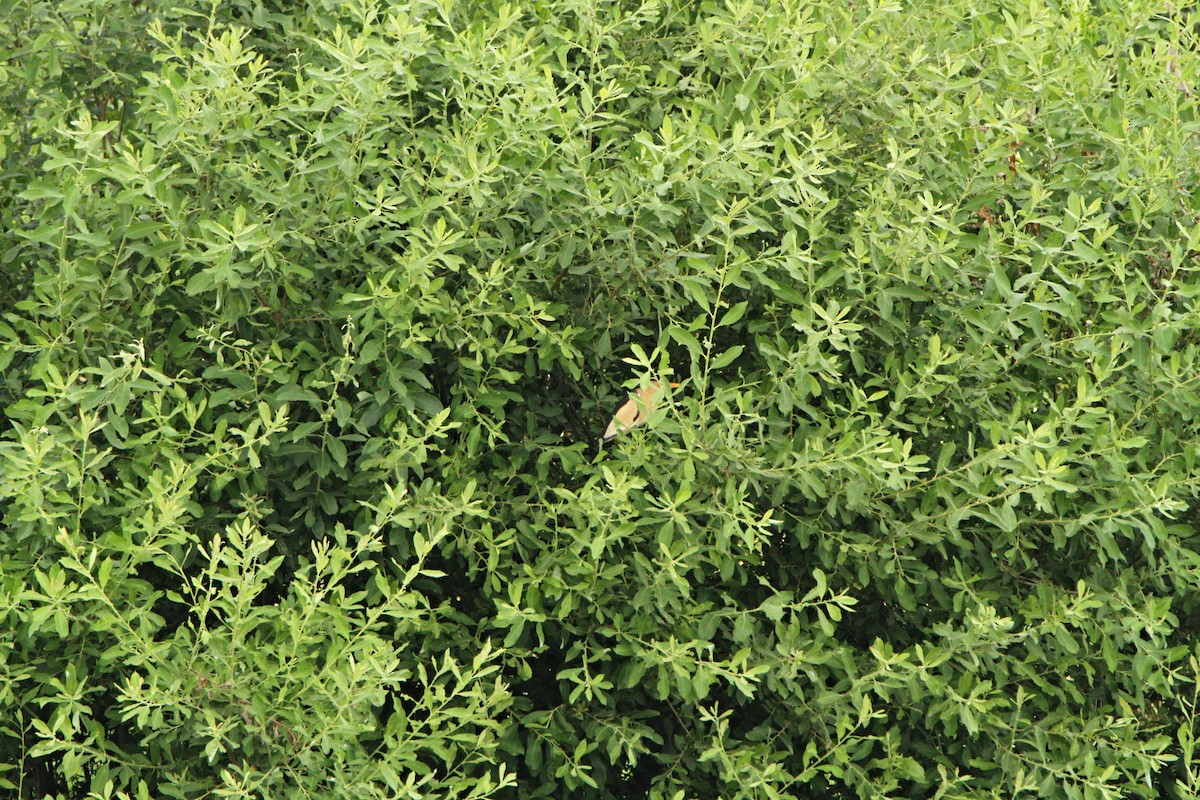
[{"x": 313, "y": 317}]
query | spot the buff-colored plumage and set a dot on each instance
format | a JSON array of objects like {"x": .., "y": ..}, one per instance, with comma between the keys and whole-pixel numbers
[{"x": 636, "y": 409}]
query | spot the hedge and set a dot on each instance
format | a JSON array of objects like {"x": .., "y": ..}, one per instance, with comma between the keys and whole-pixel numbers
[{"x": 313, "y": 315}]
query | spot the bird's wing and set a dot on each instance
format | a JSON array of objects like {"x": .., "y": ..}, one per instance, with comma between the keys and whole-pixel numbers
[{"x": 635, "y": 410}]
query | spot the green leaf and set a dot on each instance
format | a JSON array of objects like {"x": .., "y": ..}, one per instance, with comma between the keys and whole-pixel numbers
[
  {"x": 733, "y": 315},
  {"x": 686, "y": 339},
  {"x": 726, "y": 358}
]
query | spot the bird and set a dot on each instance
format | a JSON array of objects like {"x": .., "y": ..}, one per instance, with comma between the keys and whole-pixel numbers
[{"x": 636, "y": 409}]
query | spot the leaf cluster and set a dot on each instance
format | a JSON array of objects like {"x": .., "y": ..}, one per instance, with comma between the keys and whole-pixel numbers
[{"x": 312, "y": 316}]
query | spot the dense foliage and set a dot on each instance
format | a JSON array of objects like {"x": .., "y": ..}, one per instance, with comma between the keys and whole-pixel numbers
[{"x": 313, "y": 313}]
